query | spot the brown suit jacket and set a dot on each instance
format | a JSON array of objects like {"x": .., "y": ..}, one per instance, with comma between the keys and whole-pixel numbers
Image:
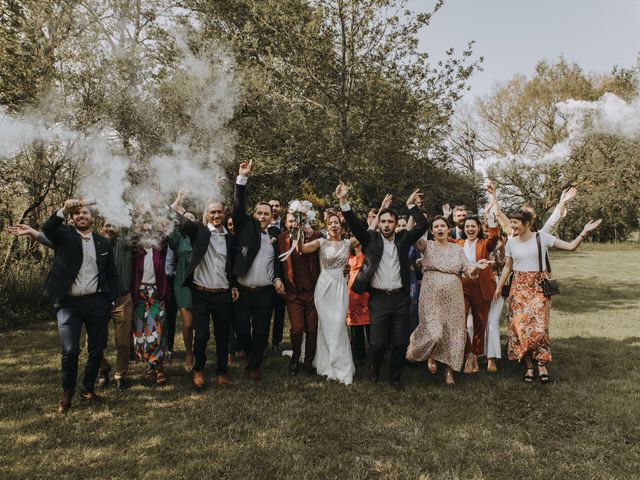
[
  {"x": 484, "y": 246},
  {"x": 312, "y": 259}
]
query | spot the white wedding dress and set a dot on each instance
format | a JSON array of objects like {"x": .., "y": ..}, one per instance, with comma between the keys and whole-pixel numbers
[{"x": 333, "y": 354}]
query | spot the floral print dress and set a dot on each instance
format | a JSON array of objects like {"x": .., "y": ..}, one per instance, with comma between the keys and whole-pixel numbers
[{"x": 441, "y": 331}]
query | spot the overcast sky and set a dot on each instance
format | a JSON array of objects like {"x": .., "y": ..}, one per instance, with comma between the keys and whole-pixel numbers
[{"x": 513, "y": 35}]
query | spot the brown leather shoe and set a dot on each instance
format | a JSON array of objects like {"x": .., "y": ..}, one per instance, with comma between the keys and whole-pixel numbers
[
  {"x": 254, "y": 375},
  {"x": 89, "y": 397},
  {"x": 64, "y": 404},
  {"x": 223, "y": 379},
  {"x": 198, "y": 379}
]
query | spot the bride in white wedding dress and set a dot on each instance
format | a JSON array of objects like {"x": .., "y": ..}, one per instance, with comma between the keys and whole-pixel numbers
[{"x": 333, "y": 354}]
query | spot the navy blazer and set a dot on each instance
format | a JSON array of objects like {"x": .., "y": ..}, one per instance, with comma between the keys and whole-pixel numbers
[
  {"x": 67, "y": 261},
  {"x": 373, "y": 247},
  {"x": 248, "y": 239},
  {"x": 199, "y": 236}
]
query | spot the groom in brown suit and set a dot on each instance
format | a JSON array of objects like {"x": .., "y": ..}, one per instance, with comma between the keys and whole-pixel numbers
[{"x": 300, "y": 272}]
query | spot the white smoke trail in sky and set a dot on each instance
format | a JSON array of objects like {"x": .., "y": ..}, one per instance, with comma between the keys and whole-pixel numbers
[{"x": 610, "y": 115}]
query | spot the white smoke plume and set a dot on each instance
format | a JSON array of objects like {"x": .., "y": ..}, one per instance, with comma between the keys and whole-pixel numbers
[
  {"x": 610, "y": 115},
  {"x": 105, "y": 176},
  {"x": 208, "y": 88},
  {"x": 16, "y": 132},
  {"x": 207, "y": 92}
]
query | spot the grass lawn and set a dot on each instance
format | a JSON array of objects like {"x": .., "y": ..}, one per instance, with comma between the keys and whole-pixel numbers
[{"x": 586, "y": 424}]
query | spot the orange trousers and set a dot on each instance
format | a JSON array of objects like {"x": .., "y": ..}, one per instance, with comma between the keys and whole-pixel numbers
[{"x": 479, "y": 308}]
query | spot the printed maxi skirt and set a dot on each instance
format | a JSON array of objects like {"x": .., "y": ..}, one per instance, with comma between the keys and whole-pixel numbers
[
  {"x": 148, "y": 327},
  {"x": 529, "y": 313}
]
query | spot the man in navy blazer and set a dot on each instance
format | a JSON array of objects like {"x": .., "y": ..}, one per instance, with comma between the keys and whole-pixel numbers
[{"x": 83, "y": 283}]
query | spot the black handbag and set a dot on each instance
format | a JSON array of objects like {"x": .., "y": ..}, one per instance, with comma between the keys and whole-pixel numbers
[
  {"x": 549, "y": 286},
  {"x": 506, "y": 288}
]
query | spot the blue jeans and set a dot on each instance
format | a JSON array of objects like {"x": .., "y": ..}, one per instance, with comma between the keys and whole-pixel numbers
[{"x": 92, "y": 311}]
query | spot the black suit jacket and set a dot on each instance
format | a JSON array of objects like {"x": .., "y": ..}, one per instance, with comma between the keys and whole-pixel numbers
[
  {"x": 67, "y": 261},
  {"x": 248, "y": 234},
  {"x": 199, "y": 236},
  {"x": 373, "y": 247}
]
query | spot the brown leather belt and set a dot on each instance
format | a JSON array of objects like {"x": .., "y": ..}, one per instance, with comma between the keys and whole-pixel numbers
[
  {"x": 395, "y": 291},
  {"x": 210, "y": 290},
  {"x": 254, "y": 289}
]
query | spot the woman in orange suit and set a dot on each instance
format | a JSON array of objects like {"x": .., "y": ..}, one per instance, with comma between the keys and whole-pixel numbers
[{"x": 478, "y": 292}]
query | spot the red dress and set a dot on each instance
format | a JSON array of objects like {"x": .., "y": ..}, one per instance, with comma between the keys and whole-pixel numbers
[{"x": 358, "y": 303}]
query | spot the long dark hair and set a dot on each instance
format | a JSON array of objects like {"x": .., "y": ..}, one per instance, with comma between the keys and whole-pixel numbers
[{"x": 476, "y": 219}]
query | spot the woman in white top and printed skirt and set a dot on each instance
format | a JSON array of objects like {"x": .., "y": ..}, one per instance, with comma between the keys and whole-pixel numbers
[
  {"x": 333, "y": 354},
  {"x": 529, "y": 308}
]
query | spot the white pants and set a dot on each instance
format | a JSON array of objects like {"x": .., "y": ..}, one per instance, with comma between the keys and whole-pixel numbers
[{"x": 492, "y": 334}]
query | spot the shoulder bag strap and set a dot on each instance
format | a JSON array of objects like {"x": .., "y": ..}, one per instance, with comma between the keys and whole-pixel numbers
[{"x": 539, "y": 252}]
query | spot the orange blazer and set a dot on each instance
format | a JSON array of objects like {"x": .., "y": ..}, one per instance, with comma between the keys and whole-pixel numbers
[{"x": 484, "y": 247}]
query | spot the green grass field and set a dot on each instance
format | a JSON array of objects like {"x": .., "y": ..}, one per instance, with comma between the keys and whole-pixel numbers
[{"x": 586, "y": 424}]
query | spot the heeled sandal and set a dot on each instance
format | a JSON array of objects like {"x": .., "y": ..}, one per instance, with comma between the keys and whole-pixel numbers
[
  {"x": 544, "y": 377},
  {"x": 527, "y": 377}
]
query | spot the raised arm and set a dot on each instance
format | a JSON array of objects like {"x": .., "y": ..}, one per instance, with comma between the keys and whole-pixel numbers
[
  {"x": 309, "y": 247},
  {"x": 502, "y": 218},
  {"x": 446, "y": 211},
  {"x": 53, "y": 226},
  {"x": 239, "y": 213},
  {"x": 355, "y": 224},
  {"x": 560, "y": 211},
  {"x": 386, "y": 203},
  {"x": 414, "y": 210},
  {"x": 571, "y": 246}
]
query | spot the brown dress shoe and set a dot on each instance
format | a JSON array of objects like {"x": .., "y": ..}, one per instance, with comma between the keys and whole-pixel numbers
[
  {"x": 64, "y": 403},
  {"x": 223, "y": 379},
  {"x": 198, "y": 379},
  {"x": 254, "y": 375}
]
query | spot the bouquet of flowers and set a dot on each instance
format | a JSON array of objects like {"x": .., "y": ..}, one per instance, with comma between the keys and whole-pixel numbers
[{"x": 304, "y": 214}]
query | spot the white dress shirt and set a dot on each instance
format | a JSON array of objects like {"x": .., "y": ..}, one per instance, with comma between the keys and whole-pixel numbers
[
  {"x": 86, "y": 281},
  {"x": 387, "y": 275},
  {"x": 148, "y": 271},
  {"x": 470, "y": 250},
  {"x": 261, "y": 272},
  {"x": 211, "y": 272}
]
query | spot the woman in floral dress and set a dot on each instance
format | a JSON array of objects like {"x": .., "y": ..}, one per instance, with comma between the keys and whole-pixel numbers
[{"x": 441, "y": 332}]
